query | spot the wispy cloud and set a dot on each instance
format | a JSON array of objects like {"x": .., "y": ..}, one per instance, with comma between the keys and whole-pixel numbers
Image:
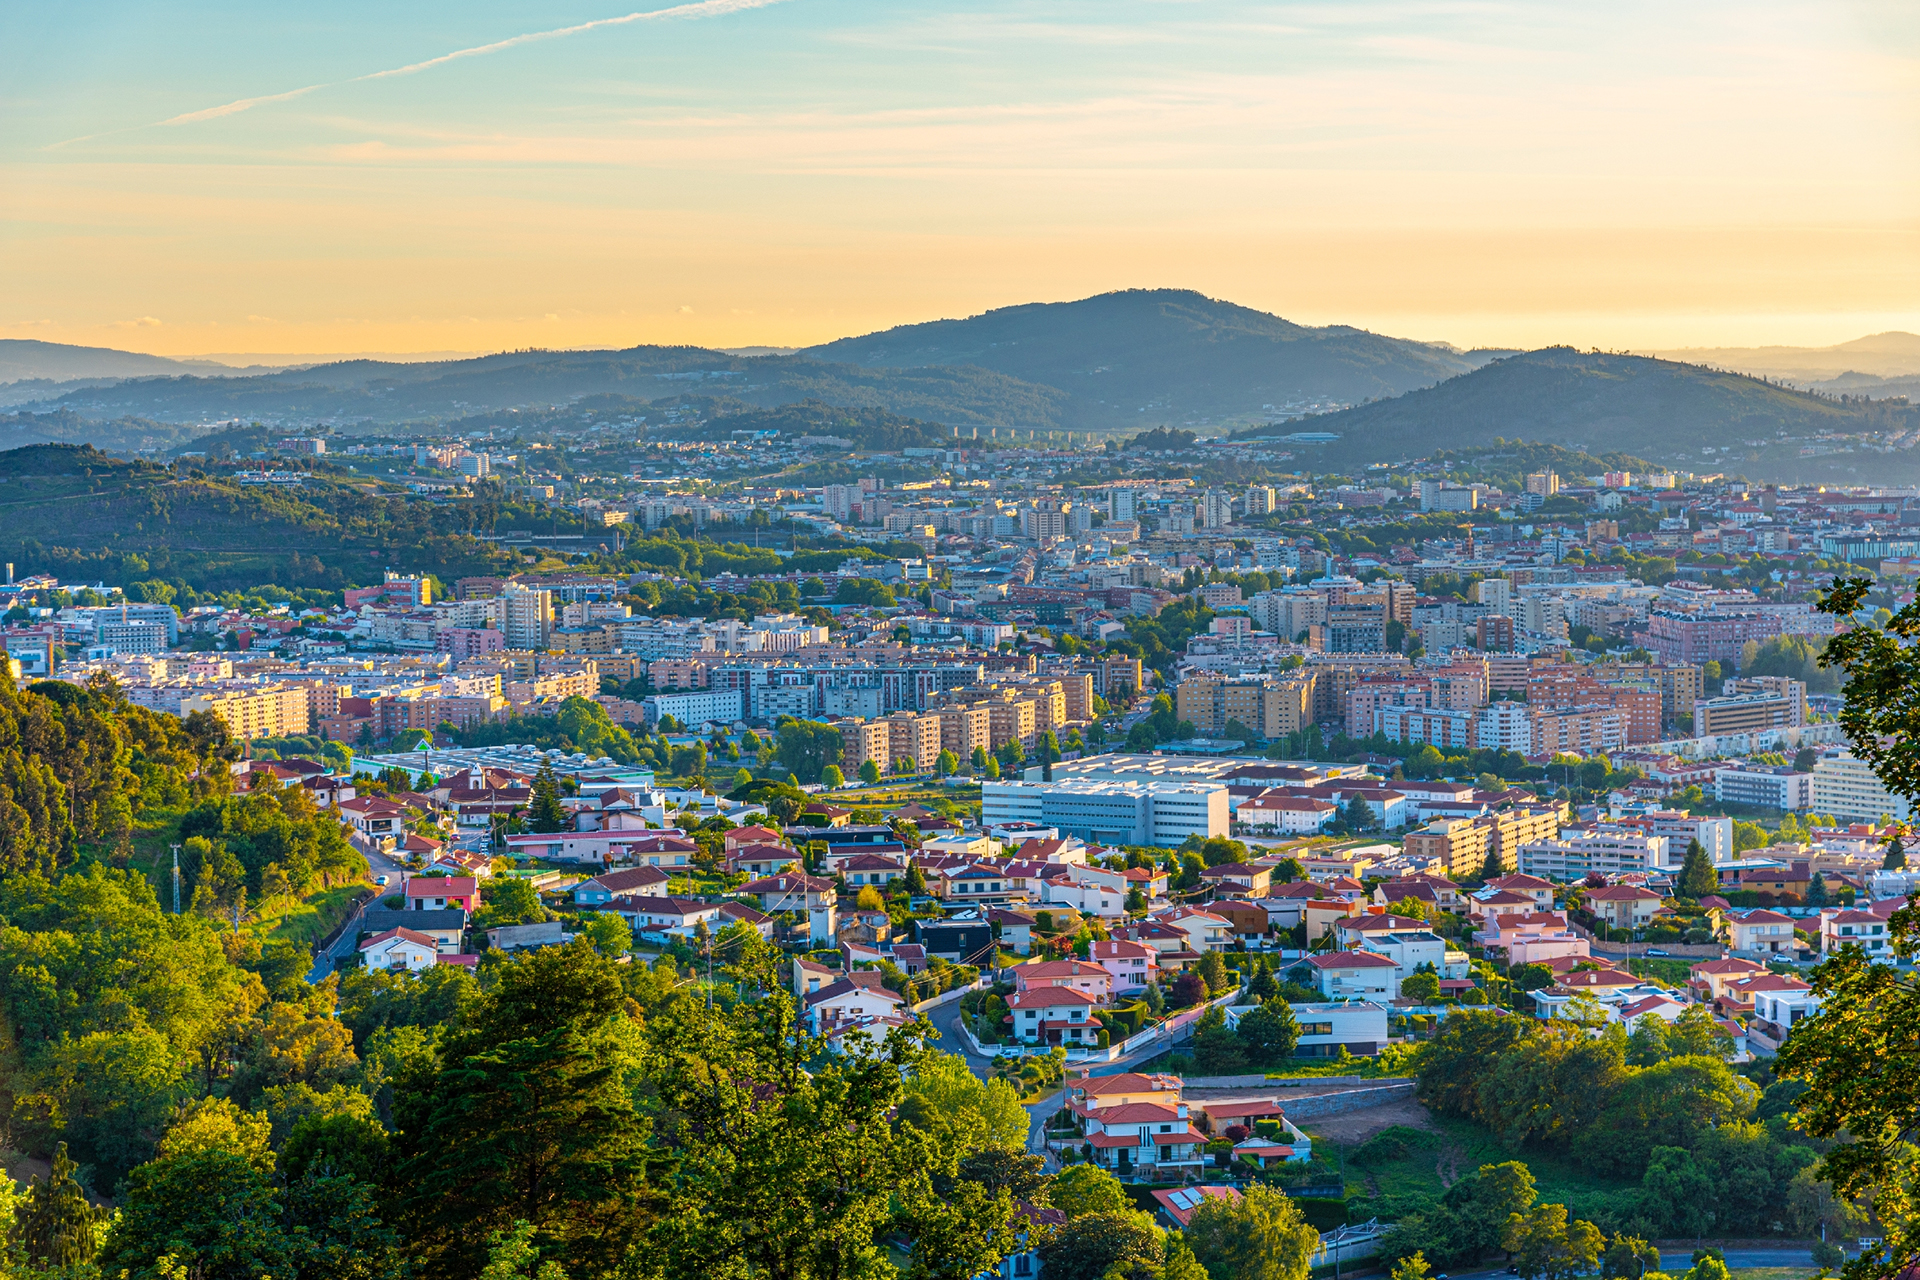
[{"x": 698, "y": 9}]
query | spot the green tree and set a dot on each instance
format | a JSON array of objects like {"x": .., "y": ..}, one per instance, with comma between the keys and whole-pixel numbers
[
  {"x": 508, "y": 900},
  {"x": 1697, "y": 878},
  {"x": 529, "y": 1118},
  {"x": 916, "y": 880},
  {"x": 870, "y": 772},
  {"x": 211, "y": 1211},
  {"x": 512, "y": 1255},
  {"x": 1628, "y": 1258},
  {"x": 1547, "y": 1246},
  {"x": 545, "y": 814},
  {"x": 1264, "y": 985},
  {"x": 1269, "y": 1032},
  {"x": 1216, "y": 1050},
  {"x": 1412, "y": 1267},
  {"x": 786, "y": 1159},
  {"x": 1082, "y": 1189},
  {"x": 832, "y": 777},
  {"x": 807, "y": 747},
  {"x": 1422, "y": 986},
  {"x": 946, "y": 1100},
  {"x": 607, "y": 933},
  {"x": 979, "y": 759},
  {"x": 1213, "y": 971},
  {"x": 1896, "y": 856},
  {"x": 946, "y": 764},
  {"x": 57, "y": 1225},
  {"x": 1087, "y": 1245},
  {"x": 1019, "y": 1173},
  {"x": 1260, "y": 1236}
]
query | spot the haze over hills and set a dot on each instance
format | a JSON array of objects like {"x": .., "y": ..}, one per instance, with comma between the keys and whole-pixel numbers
[
  {"x": 1879, "y": 355},
  {"x": 1118, "y": 361},
  {"x": 1163, "y": 355},
  {"x": 1673, "y": 414}
]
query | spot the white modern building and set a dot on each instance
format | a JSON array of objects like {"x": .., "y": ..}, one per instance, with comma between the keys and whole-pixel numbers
[
  {"x": 1765, "y": 787},
  {"x": 1359, "y": 1027},
  {"x": 1577, "y": 854},
  {"x": 701, "y": 707},
  {"x": 1844, "y": 786},
  {"x": 1116, "y": 811}
]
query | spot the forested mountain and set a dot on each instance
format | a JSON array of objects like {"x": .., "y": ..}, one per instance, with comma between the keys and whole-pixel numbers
[
  {"x": 1144, "y": 356},
  {"x": 76, "y": 512},
  {"x": 1676, "y": 415}
]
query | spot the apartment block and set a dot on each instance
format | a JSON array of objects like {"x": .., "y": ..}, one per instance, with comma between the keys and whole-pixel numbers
[
  {"x": 964, "y": 728},
  {"x": 864, "y": 740},
  {"x": 274, "y": 711},
  {"x": 913, "y": 737}
]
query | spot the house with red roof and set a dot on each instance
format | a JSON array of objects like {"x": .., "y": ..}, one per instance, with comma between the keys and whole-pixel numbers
[
  {"x": 1145, "y": 1135},
  {"x": 1077, "y": 975},
  {"x": 1053, "y": 1015},
  {"x": 1133, "y": 966},
  {"x": 1623, "y": 906},
  {"x": 400, "y": 949},
  {"x": 1707, "y": 981},
  {"x": 441, "y": 893},
  {"x": 1850, "y": 927},
  {"x": 1759, "y": 932},
  {"x": 1355, "y": 975},
  {"x": 1177, "y": 1206}
]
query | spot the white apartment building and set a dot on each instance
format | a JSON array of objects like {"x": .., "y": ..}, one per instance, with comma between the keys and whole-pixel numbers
[
  {"x": 1844, "y": 786},
  {"x": 1111, "y": 811},
  {"x": 1764, "y": 786},
  {"x": 1577, "y": 854},
  {"x": 526, "y": 616},
  {"x": 700, "y": 707},
  {"x": 1504, "y": 726}
]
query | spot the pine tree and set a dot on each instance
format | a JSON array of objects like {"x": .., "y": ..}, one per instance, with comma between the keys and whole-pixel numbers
[
  {"x": 1264, "y": 984},
  {"x": 1817, "y": 890},
  {"x": 1896, "y": 859},
  {"x": 1696, "y": 873},
  {"x": 546, "y": 815},
  {"x": 57, "y": 1224}
]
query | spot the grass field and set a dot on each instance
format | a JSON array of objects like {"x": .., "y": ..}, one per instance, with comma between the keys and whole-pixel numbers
[
  {"x": 1454, "y": 1149},
  {"x": 1672, "y": 972},
  {"x": 309, "y": 919}
]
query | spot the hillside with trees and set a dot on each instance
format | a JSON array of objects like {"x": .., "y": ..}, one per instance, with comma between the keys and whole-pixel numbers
[
  {"x": 1143, "y": 356},
  {"x": 1675, "y": 415},
  {"x": 79, "y": 513}
]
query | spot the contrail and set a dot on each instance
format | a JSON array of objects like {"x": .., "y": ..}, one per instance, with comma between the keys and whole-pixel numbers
[{"x": 699, "y": 9}]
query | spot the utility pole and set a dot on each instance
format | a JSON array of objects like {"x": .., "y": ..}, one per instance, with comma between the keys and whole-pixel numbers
[{"x": 176, "y": 879}]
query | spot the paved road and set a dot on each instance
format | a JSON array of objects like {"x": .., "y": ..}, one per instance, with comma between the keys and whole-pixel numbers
[{"x": 1677, "y": 1258}]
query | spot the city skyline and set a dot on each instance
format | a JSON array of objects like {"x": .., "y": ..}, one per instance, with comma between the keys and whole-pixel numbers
[{"x": 749, "y": 172}]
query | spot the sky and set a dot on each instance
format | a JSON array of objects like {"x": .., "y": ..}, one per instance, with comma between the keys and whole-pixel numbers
[{"x": 204, "y": 177}]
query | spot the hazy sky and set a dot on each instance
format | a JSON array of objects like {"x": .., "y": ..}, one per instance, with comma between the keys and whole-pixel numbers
[{"x": 196, "y": 176}]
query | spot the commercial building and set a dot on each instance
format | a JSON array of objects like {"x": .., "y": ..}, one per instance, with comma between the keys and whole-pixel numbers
[{"x": 1160, "y": 814}]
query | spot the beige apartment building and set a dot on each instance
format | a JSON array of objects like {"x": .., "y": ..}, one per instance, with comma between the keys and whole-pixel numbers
[{"x": 274, "y": 711}]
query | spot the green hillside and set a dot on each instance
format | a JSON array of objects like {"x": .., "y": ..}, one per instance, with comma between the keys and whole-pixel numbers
[
  {"x": 74, "y": 511},
  {"x": 1675, "y": 415}
]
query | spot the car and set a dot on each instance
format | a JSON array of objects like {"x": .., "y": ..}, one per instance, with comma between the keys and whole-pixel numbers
[
  {"x": 1655, "y": 951},
  {"x": 380, "y": 879}
]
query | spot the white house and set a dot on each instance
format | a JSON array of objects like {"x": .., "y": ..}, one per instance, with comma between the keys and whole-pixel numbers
[
  {"x": 1205, "y": 931},
  {"x": 1851, "y": 928},
  {"x": 1779, "y": 1004},
  {"x": 1355, "y": 975},
  {"x": 400, "y": 949},
  {"x": 1285, "y": 815},
  {"x": 855, "y": 998},
  {"x": 1053, "y": 1015},
  {"x": 658, "y": 919},
  {"x": 1759, "y": 932}
]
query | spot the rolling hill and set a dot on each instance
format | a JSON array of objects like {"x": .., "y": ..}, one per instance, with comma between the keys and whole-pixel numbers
[
  {"x": 1669, "y": 413},
  {"x": 1145, "y": 356},
  {"x": 82, "y": 514},
  {"x": 386, "y": 392}
]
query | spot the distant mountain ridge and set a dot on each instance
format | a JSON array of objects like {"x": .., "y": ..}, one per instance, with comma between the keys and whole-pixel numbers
[
  {"x": 1144, "y": 356},
  {"x": 1670, "y": 413},
  {"x": 1117, "y": 361}
]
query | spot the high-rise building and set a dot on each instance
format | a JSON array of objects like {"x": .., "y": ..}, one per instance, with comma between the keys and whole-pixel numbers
[
  {"x": 1544, "y": 483},
  {"x": 1216, "y": 509},
  {"x": 526, "y": 616},
  {"x": 1260, "y": 500},
  {"x": 1122, "y": 504}
]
